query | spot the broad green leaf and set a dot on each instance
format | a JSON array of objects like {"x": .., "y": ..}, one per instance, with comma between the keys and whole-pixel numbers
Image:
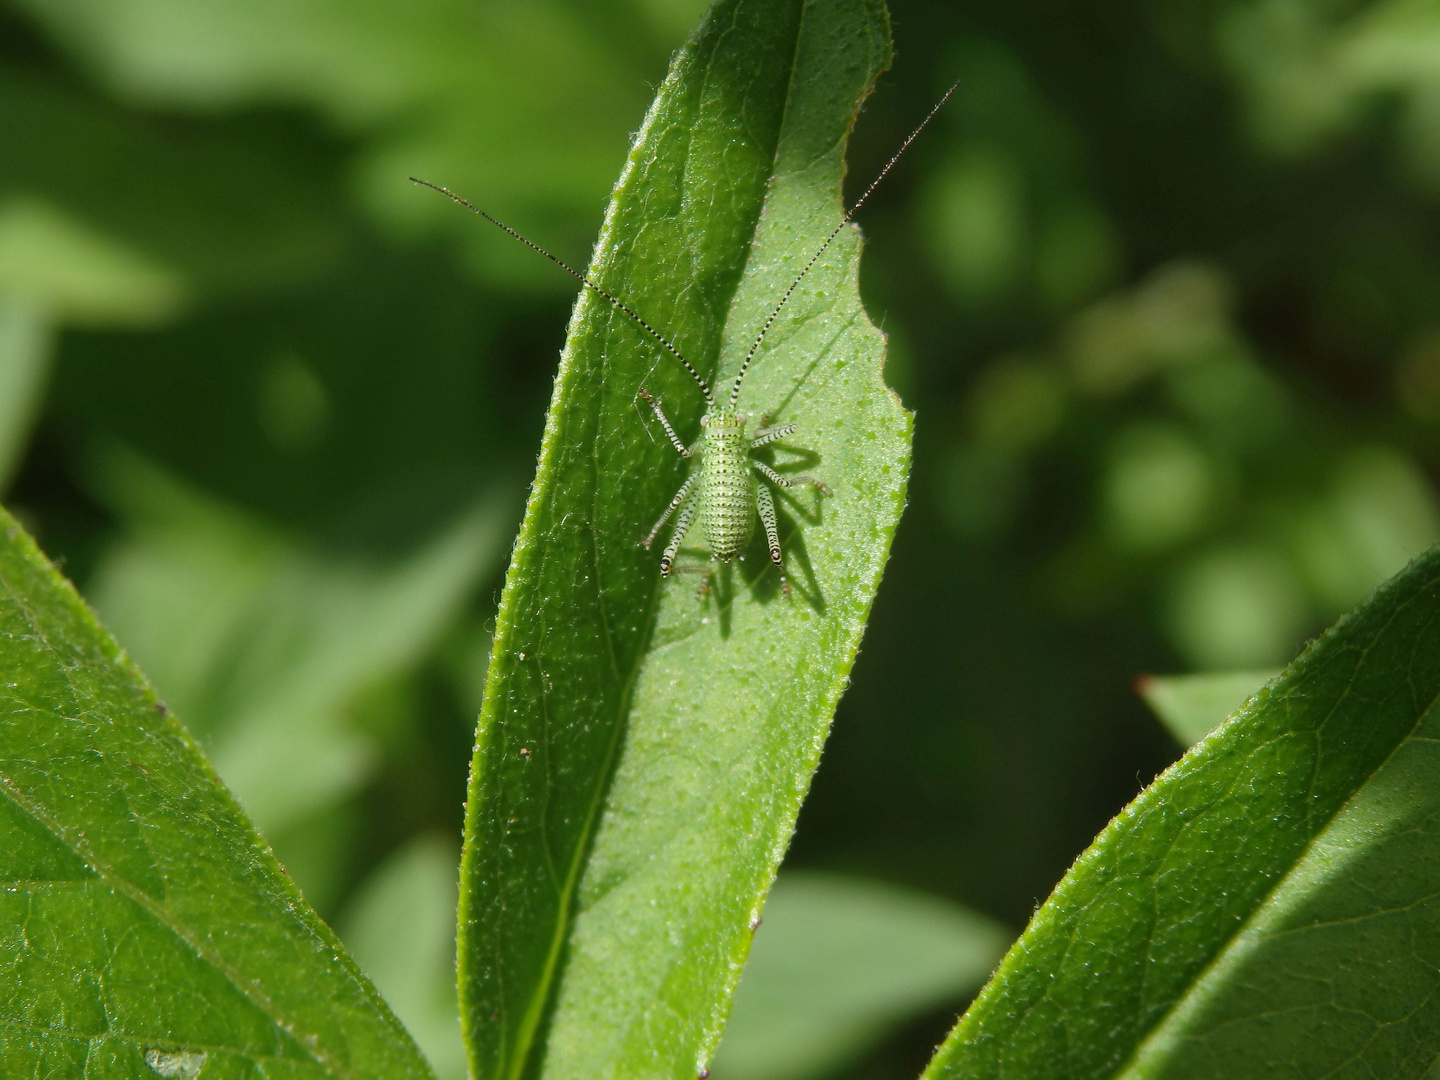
[
  {"x": 400, "y": 927},
  {"x": 1268, "y": 906},
  {"x": 837, "y": 963},
  {"x": 642, "y": 752},
  {"x": 146, "y": 927},
  {"x": 1192, "y": 706}
]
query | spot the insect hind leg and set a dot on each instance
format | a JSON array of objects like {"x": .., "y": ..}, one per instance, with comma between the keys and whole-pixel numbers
[
  {"x": 766, "y": 505},
  {"x": 706, "y": 571},
  {"x": 680, "y": 497},
  {"x": 682, "y": 526}
]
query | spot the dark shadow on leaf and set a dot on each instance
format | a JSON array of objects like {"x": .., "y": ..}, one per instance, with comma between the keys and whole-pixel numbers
[{"x": 797, "y": 557}]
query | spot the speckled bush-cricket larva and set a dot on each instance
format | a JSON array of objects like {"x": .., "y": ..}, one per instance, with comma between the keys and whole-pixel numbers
[{"x": 727, "y": 489}]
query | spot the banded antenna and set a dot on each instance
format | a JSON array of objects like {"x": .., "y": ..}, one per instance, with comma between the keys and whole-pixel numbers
[
  {"x": 619, "y": 304},
  {"x": 844, "y": 220},
  {"x": 769, "y": 319}
]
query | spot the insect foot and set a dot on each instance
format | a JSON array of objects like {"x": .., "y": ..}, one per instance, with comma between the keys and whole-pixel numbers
[{"x": 680, "y": 447}]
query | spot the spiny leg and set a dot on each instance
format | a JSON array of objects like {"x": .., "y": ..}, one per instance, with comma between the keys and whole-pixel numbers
[
  {"x": 768, "y": 435},
  {"x": 682, "y": 526},
  {"x": 680, "y": 497},
  {"x": 787, "y": 481},
  {"x": 766, "y": 505},
  {"x": 665, "y": 423}
]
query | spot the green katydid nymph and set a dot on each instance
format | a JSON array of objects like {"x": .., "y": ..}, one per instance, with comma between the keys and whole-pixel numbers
[{"x": 726, "y": 490}]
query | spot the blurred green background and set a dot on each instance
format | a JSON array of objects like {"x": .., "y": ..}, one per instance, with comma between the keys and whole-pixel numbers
[{"x": 1162, "y": 284}]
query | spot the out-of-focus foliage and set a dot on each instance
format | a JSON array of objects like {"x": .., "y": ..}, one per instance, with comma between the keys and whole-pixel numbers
[
  {"x": 528, "y": 104},
  {"x": 837, "y": 962},
  {"x": 400, "y": 927},
  {"x": 1192, "y": 706},
  {"x": 290, "y": 667},
  {"x": 1161, "y": 283}
]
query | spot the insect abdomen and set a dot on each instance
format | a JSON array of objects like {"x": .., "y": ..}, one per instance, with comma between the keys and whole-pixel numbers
[{"x": 727, "y": 491}]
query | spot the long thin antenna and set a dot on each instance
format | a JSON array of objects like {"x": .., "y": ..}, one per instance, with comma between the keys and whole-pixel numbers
[
  {"x": 620, "y": 304},
  {"x": 849, "y": 214}
]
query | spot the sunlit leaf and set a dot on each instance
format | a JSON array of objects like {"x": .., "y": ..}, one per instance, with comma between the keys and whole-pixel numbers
[
  {"x": 643, "y": 752},
  {"x": 1268, "y": 906},
  {"x": 147, "y": 930}
]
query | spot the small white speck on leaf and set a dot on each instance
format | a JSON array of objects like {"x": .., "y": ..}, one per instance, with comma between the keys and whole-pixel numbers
[{"x": 176, "y": 1064}]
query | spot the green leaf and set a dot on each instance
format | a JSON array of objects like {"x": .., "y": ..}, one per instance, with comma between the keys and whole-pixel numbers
[
  {"x": 1192, "y": 706},
  {"x": 838, "y": 962},
  {"x": 642, "y": 752},
  {"x": 1268, "y": 906},
  {"x": 146, "y": 927}
]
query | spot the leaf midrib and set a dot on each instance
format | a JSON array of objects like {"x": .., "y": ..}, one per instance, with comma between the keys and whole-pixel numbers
[
  {"x": 542, "y": 998},
  {"x": 160, "y": 914}
]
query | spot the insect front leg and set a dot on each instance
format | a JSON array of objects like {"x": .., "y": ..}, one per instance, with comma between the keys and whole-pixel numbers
[
  {"x": 766, "y": 505},
  {"x": 680, "y": 497},
  {"x": 787, "y": 481},
  {"x": 680, "y": 447}
]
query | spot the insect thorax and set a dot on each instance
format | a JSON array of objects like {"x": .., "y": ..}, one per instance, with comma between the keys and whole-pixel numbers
[
  {"x": 722, "y": 417},
  {"x": 727, "y": 506}
]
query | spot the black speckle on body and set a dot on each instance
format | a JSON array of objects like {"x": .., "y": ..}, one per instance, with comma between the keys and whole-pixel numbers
[{"x": 727, "y": 487}]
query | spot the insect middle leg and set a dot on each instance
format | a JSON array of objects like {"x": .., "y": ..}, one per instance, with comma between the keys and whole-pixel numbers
[
  {"x": 766, "y": 435},
  {"x": 765, "y": 503},
  {"x": 787, "y": 481}
]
